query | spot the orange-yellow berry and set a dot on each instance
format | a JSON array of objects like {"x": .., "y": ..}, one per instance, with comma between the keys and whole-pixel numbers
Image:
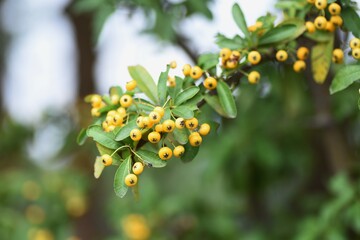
[
  {"x": 147, "y": 122},
  {"x": 336, "y": 20},
  {"x": 139, "y": 122},
  {"x": 230, "y": 64},
  {"x": 95, "y": 112},
  {"x": 204, "y": 129},
  {"x": 154, "y": 137},
  {"x": 320, "y": 4},
  {"x": 138, "y": 168},
  {"x": 126, "y": 101},
  {"x": 179, "y": 123},
  {"x": 356, "y": 53},
  {"x": 191, "y": 123},
  {"x": 154, "y": 117},
  {"x": 135, "y": 134},
  {"x": 330, "y": 27},
  {"x": 334, "y": 9},
  {"x": 281, "y": 55},
  {"x": 115, "y": 99},
  {"x": 310, "y": 27},
  {"x": 131, "y": 180},
  {"x": 311, "y": 1},
  {"x": 179, "y": 151},
  {"x": 171, "y": 81},
  {"x": 165, "y": 153},
  {"x": 254, "y": 77},
  {"x": 254, "y": 57},
  {"x": 354, "y": 43},
  {"x": 168, "y": 125},
  {"x": 121, "y": 111},
  {"x": 160, "y": 110},
  {"x": 173, "y": 64},
  {"x": 337, "y": 55},
  {"x": 235, "y": 55},
  {"x": 302, "y": 53},
  {"x": 210, "y": 83},
  {"x": 96, "y": 101},
  {"x": 195, "y": 140},
  {"x": 299, "y": 66},
  {"x": 320, "y": 22},
  {"x": 196, "y": 72},
  {"x": 131, "y": 85},
  {"x": 106, "y": 160},
  {"x": 225, "y": 53},
  {"x": 159, "y": 128},
  {"x": 186, "y": 70}
]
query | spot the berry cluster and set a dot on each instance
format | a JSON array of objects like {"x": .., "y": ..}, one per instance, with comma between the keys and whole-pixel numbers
[{"x": 320, "y": 22}]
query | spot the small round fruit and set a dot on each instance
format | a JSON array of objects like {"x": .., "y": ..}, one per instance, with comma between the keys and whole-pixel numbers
[
  {"x": 111, "y": 113},
  {"x": 235, "y": 55},
  {"x": 252, "y": 28},
  {"x": 254, "y": 57},
  {"x": 196, "y": 72},
  {"x": 95, "y": 112},
  {"x": 160, "y": 110},
  {"x": 96, "y": 101},
  {"x": 191, "y": 123},
  {"x": 299, "y": 66},
  {"x": 139, "y": 122},
  {"x": 126, "y": 101},
  {"x": 210, "y": 83},
  {"x": 179, "y": 151},
  {"x": 259, "y": 24},
  {"x": 195, "y": 140},
  {"x": 165, "y": 153},
  {"x": 131, "y": 180},
  {"x": 121, "y": 111},
  {"x": 173, "y": 64},
  {"x": 311, "y": 1},
  {"x": 338, "y": 55},
  {"x": 334, "y": 9},
  {"x": 117, "y": 120},
  {"x": 310, "y": 27},
  {"x": 179, "y": 123},
  {"x": 168, "y": 125},
  {"x": 147, "y": 122},
  {"x": 225, "y": 53},
  {"x": 254, "y": 77},
  {"x": 135, "y": 134},
  {"x": 115, "y": 99},
  {"x": 131, "y": 85},
  {"x": 356, "y": 53},
  {"x": 106, "y": 160},
  {"x": 110, "y": 128},
  {"x": 171, "y": 82},
  {"x": 336, "y": 20},
  {"x": 154, "y": 137},
  {"x": 186, "y": 70},
  {"x": 302, "y": 53},
  {"x": 355, "y": 43},
  {"x": 138, "y": 168},
  {"x": 320, "y": 4},
  {"x": 159, "y": 128},
  {"x": 154, "y": 117},
  {"x": 231, "y": 64},
  {"x": 320, "y": 22},
  {"x": 204, "y": 129},
  {"x": 330, "y": 27},
  {"x": 281, "y": 55}
]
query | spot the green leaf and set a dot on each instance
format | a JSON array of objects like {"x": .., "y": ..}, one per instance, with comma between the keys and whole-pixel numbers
[
  {"x": 124, "y": 132},
  {"x": 183, "y": 111},
  {"x": 319, "y": 36},
  {"x": 181, "y": 135},
  {"x": 104, "y": 138},
  {"x": 120, "y": 187},
  {"x": 107, "y": 108},
  {"x": 81, "y": 138},
  {"x": 104, "y": 150},
  {"x": 162, "y": 88},
  {"x": 351, "y": 20},
  {"x": 190, "y": 153},
  {"x": 214, "y": 103},
  {"x": 195, "y": 100},
  {"x": 208, "y": 60},
  {"x": 287, "y": 31},
  {"x": 359, "y": 103},
  {"x": 173, "y": 91},
  {"x": 144, "y": 81},
  {"x": 98, "y": 167},
  {"x": 80, "y": 6},
  {"x": 116, "y": 90},
  {"x": 226, "y": 99},
  {"x": 151, "y": 159},
  {"x": 240, "y": 20},
  {"x": 235, "y": 43},
  {"x": 321, "y": 55},
  {"x": 186, "y": 95},
  {"x": 100, "y": 16},
  {"x": 344, "y": 78}
]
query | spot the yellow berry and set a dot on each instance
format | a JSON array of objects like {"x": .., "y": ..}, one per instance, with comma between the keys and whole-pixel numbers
[
  {"x": 179, "y": 151},
  {"x": 356, "y": 53},
  {"x": 131, "y": 180},
  {"x": 320, "y": 4},
  {"x": 195, "y": 140},
  {"x": 259, "y": 24},
  {"x": 254, "y": 57},
  {"x": 230, "y": 64},
  {"x": 115, "y": 99},
  {"x": 204, "y": 129},
  {"x": 106, "y": 160},
  {"x": 235, "y": 55},
  {"x": 121, "y": 111},
  {"x": 281, "y": 55},
  {"x": 138, "y": 168},
  {"x": 111, "y": 113},
  {"x": 110, "y": 128},
  {"x": 154, "y": 117},
  {"x": 186, "y": 70},
  {"x": 154, "y": 137},
  {"x": 320, "y": 22},
  {"x": 96, "y": 101},
  {"x": 160, "y": 110},
  {"x": 117, "y": 120},
  {"x": 135, "y": 134},
  {"x": 196, "y": 72},
  {"x": 139, "y": 122},
  {"x": 334, "y": 9},
  {"x": 302, "y": 53},
  {"x": 159, "y": 128},
  {"x": 179, "y": 123},
  {"x": 173, "y": 64},
  {"x": 252, "y": 28},
  {"x": 311, "y": 1},
  {"x": 310, "y": 27},
  {"x": 126, "y": 101},
  {"x": 337, "y": 55},
  {"x": 225, "y": 53},
  {"x": 254, "y": 77},
  {"x": 330, "y": 27},
  {"x": 95, "y": 112},
  {"x": 147, "y": 122},
  {"x": 171, "y": 81},
  {"x": 354, "y": 43},
  {"x": 104, "y": 125},
  {"x": 168, "y": 125},
  {"x": 299, "y": 66},
  {"x": 165, "y": 153},
  {"x": 191, "y": 123},
  {"x": 131, "y": 85},
  {"x": 210, "y": 83},
  {"x": 336, "y": 20}
]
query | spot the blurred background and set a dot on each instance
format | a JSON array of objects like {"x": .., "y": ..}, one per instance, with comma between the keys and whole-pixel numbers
[{"x": 286, "y": 168}]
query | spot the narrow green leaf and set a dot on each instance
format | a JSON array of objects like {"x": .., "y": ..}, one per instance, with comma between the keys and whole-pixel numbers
[
  {"x": 226, "y": 99},
  {"x": 104, "y": 138},
  {"x": 214, "y": 103},
  {"x": 194, "y": 100},
  {"x": 162, "y": 88},
  {"x": 285, "y": 32},
  {"x": 98, "y": 167},
  {"x": 321, "y": 55},
  {"x": 240, "y": 21},
  {"x": 107, "y": 108},
  {"x": 124, "y": 132},
  {"x": 345, "y": 77},
  {"x": 235, "y": 43},
  {"x": 116, "y": 90},
  {"x": 120, "y": 187},
  {"x": 181, "y": 135},
  {"x": 186, "y": 95},
  {"x": 208, "y": 60},
  {"x": 351, "y": 20},
  {"x": 190, "y": 153},
  {"x": 81, "y": 138},
  {"x": 173, "y": 91},
  {"x": 183, "y": 111},
  {"x": 151, "y": 158},
  {"x": 104, "y": 150},
  {"x": 144, "y": 81}
]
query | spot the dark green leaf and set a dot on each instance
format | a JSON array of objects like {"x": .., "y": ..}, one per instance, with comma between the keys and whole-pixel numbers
[
  {"x": 345, "y": 77},
  {"x": 284, "y": 32},
  {"x": 183, "y": 111},
  {"x": 151, "y": 159},
  {"x": 181, "y": 135},
  {"x": 190, "y": 153},
  {"x": 226, "y": 99},
  {"x": 240, "y": 20},
  {"x": 214, "y": 103},
  {"x": 144, "y": 81},
  {"x": 186, "y": 95},
  {"x": 208, "y": 60},
  {"x": 162, "y": 88},
  {"x": 236, "y": 43},
  {"x": 351, "y": 20},
  {"x": 81, "y": 138},
  {"x": 124, "y": 132},
  {"x": 120, "y": 187},
  {"x": 104, "y": 138},
  {"x": 173, "y": 91},
  {"x": 195, "y": 100}
]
